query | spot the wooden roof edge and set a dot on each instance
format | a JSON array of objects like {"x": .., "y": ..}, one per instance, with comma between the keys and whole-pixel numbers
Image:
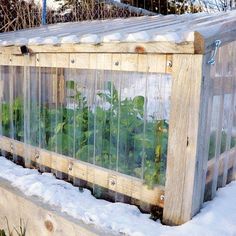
[
  {"x": 205, "y": 38},
  {"x": 202, "y": 42},
  {"x": 162, "y": 47}
]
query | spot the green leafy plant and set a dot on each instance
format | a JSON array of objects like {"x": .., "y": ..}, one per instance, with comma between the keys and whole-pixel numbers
[
  {"x": 109, "y": 131},
  {"x": 117, "y": 135}
]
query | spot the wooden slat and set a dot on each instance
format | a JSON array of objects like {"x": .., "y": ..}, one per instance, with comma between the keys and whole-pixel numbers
[
  {"x": 231, "y": 155},
  {"x": 124, "y": 184},
  {"x": 53, "y": 60},
  {"x": 17, "y": 60},
  {"x": 220, "y": 112},
  {"x": 187, "y": 125},
  {"x": 230, "y": 116},
  {"x": 5, "y": 59},
  {"x": 150, "y": 47},
  {"x": 105, "y": 61},
  {"x": 228, "y": 87}
]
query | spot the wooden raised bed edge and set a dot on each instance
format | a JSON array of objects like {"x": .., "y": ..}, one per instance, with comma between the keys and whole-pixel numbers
[{"x": 108, "y": 179}]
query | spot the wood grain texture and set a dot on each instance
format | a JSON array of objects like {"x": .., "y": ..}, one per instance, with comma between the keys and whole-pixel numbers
[
  {"x": 229, "y": 155},
  {"x": 185, "y": 163},
  {"x": 156, "y": 63},
  {"x": 150, "y": 47},
  {"x": 124, "y": 184},
  {"x": 41, "y": 218}
]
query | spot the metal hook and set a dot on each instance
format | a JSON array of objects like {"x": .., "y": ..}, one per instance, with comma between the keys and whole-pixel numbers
[{"x": 212, "y": 59}]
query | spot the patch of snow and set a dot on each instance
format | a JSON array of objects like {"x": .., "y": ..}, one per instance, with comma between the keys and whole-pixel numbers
[
  {"x": 51, "y": 40},
  {"x": 6, "y": 43},
  {"x": 171, "y": 37},
  {"x": 217, "y": 217},
  {"x": 35, "y": 41},
  {"x": 52, "y": 4},
  {"x": 189, "y": 36},
  {"x": 90, "y": 38},
  {"x": 141, "y": 36},
  {"x": 67, "y": 11},
  {"x": 115, "y": 37},
  {"x": 70, "y": 39},
  {"x": 21, "y": 41}
]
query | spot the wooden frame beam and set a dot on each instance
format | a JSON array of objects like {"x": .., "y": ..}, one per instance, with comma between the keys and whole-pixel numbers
[
  {"x": 187, "y": 126},
  {"x": 112, "y": 180},
  {"x": 155, "y": 63},
  {"x": 141, "y": 48},
  {"x": 210, "y": 165}
]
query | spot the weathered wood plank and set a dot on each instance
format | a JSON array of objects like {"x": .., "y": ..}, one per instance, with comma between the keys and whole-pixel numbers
[
  {"x": 228, "y": 88},
  {"x": 124, "y": 184},
  {"x": 120, "y": 47},
  {"x": 102, "y": 61},
  {"x": 40, "y": 218},
  {"x": 185, "y": 163},
  {"x": 230, "y": 155}
]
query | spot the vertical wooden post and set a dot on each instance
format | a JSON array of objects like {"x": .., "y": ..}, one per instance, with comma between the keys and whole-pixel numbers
[{"x": 186, "y": 152}]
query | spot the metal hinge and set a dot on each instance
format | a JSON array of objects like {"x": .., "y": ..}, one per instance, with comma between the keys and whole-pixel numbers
[{"x": 212, "y": 59}]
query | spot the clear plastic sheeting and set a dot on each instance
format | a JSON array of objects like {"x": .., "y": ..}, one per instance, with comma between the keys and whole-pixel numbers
[
  {"x": 222, "y": 136},
  {"x": 119, "y": 123},
  {"x": 113, "y": 119}
]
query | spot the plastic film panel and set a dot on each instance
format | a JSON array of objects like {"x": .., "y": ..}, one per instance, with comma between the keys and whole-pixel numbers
[
  {"x": 222, "y": 139},
  {"x": 115, "y": 120}
]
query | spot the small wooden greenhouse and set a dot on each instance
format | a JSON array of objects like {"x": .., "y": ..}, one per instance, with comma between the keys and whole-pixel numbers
[{"x": 139, "y": 110}]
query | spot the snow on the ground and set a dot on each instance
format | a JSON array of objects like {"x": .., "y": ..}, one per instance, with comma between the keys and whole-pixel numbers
[
  {"x": 217, "y": 217},
  {"x": 52, "y": 4}
]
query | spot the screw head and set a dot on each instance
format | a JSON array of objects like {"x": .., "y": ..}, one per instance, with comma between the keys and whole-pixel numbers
[
  {"x": 37, "y": 155},
  {"x": 112, "y": 182},
  {"x": 11, "y": 147},
  {"x": 169, "y": 63},
  {"x": 162, "y": 197},
  {"x": 70, "y": 166}
]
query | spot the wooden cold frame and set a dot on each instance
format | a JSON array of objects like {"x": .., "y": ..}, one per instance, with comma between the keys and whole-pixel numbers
[{"x": 189, "y": 125}]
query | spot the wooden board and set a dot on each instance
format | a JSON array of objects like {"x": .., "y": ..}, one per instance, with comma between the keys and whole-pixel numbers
[
  {"x": 231, "y": 155},
  {"x": 155, "y": 63},
  {"x": 141, "y": 48},
  {"x": 41, "y": 219},
  {"x": 187, "y": 126},
  {"x": 228, "y": 88},
  {"x": 124, "y": 184}
]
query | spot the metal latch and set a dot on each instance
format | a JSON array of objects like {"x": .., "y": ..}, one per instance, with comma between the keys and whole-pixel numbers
[{"x": 212, "y": 59}]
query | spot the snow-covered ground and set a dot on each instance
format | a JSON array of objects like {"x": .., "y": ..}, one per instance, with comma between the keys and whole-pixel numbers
[
  {"x": 217, "y": 218},
  {"x": 52, "y": 4}
]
